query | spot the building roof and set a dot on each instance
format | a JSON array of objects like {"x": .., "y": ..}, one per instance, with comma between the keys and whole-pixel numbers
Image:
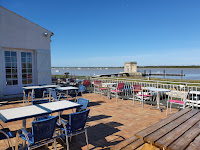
[{"x": 26, "y": 19}]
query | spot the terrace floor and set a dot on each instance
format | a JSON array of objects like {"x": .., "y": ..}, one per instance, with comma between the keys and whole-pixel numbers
[{"x": 111, "y": 122}]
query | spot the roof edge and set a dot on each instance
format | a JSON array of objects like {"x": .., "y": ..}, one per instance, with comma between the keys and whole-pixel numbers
[{"x": 27, "y": 20}]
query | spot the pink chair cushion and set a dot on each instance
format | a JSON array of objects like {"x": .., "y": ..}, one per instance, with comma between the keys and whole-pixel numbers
[
  {"x": 118, "y": 91},
  {"x": 103, "y": 88},
  {"x": 144, "y": 95},
  {"x": 176, "y": 101}
]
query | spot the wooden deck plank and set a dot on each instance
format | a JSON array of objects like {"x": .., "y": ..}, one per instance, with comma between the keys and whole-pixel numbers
[
  {"x": 160, "y": 124},
  {"x": 183, "y": 141},
  {"x": 134, "y": 145},
  {"x": 195, "y": 145},
  {"x": 151, "y": 138},
  {"x": 124, "y": 143},
  {"x": 169, "y": 138}
]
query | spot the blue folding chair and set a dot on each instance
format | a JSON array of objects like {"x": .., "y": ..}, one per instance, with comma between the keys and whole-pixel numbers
[
  {"x": 43, "y": 132},
  {"x": 81, "y": 89},
  {"x": 5, "y": 134},
  {"x": 76, "y": 125}
]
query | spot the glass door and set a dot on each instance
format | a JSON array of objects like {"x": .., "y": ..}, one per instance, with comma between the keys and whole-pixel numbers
[{"x": 27, "y": 68}]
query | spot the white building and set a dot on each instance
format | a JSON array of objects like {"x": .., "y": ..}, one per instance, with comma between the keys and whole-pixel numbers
[{"x": 25, "y": 56}]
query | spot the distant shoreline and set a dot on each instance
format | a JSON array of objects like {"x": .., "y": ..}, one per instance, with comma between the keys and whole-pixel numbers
[{"x": 137, "y": 67}]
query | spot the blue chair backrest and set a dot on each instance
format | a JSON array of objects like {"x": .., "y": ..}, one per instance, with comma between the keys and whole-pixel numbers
[
  {"x": 44, "y": 129},
  {"x": 84, "y": 102},
  {"x": 81, "y": 88},
  {"x": 40, "y": 101},
  {"x": 53, "y": 93},
  {"x": 38, "y": 93},
  {"x": 77, "y": 120}
]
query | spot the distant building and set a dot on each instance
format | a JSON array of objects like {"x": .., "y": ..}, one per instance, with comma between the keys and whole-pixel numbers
[
  {"x": 25, "y": 56},
  {"x": 131, "y": 69}
]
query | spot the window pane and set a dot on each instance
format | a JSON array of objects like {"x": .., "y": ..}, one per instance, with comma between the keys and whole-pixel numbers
[
  {"x": 29, "y": 60},
  {"x": 23, "y": 65},
  {"x": 23, "y": 54},
  {"x": 14, "y": 76},
  {"x": 23, "y": 59},
  {"x": 8, "y": 71},
  {"x": 15, "y": 82},
  {"x": 29, "y": 81},
  {"x": 7, "y": 53},
  {"x": 24, "y": 81},
  {"x": 14, "y": 65},
  {"x": 29, "y": 70},
  {"x": 14, "y": 59},
  {"x": 28, "y": 54},
  {"x": 14, "y": 71},
  {"x": 23, "y": 70},
  {"x": 24, "y": 76},
  {"x": 8, "y": 76},
  {"x": 8, "y": 65},
  {"x": 29, "y": 65},
  {"x": 7, "y": 59},
  {"x": 9, "y": 82},
  {"x": 13, "y": 54},
  {"x": 29, "y": 75}
]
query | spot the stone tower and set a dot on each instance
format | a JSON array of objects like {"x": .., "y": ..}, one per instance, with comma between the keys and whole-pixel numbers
[{"x": 130, "y": 67}]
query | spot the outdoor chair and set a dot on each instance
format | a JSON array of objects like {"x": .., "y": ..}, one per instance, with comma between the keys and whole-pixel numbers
[
  {"x": 75, "y": 126},
  {"x": 140, "y": 95},
  {"x": 81, "y": 89},
  {"x": 38, "y": 93},
  {"x": 5, "y": 134},
  {"x": 86, "y": 83},
  {"x": 119, "y": 90},
  {"x": 181, "y": 101},
  {"x": 43, "y": 132},
  {"x": 84, "y": 102},
  {"x": 97, "y": 86},
  {"x": 54, "y": 95}
]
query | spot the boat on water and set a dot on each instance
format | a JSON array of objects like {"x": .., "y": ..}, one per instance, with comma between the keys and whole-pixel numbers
[{"x": 57, "y": 71}]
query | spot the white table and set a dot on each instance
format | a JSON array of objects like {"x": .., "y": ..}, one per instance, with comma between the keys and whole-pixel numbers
[
  {"x": 158, "y": 90},
  {"x": 66, "y": 89},
  {"x": 108, "y": 85},
  {"x": 31, "y": 88},
  {"x": 50, "y": 86},
  {"x": 22, "y": 113}
]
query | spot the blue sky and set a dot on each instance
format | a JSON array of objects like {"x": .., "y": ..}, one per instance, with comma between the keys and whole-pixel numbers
[{"x": 111, "y": 32}]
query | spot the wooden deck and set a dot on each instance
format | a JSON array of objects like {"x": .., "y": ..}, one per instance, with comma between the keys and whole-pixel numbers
[{"x": 110, "y": 123}]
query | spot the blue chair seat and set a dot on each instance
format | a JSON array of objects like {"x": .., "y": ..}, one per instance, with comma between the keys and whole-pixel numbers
[{"x": 7, "y": 131}]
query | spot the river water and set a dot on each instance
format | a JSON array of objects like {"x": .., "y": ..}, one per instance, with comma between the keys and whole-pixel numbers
[{"x": 190, "y": 73}]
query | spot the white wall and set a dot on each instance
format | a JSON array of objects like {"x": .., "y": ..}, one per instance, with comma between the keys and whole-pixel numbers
[{"x": 17, "y": 32}]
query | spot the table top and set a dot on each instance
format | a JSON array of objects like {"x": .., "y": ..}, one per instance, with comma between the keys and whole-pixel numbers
[
  {"x": 50, "y": 86},
  {"x": 178, "y": 131},
  {"x": 106, "y": 84},
  {"x": 194, "y": 92},
  {"x": 31, "y": 87},
  {"x": 19, "y": 113},
  {"x": 67, "y": 88},
  {"x": 156, "y": 89}
]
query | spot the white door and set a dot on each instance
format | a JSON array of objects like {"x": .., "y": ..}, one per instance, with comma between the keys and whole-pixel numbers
[{"x": 18, "y": 69}]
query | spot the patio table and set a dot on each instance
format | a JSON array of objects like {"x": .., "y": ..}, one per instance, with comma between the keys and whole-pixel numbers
[
  {"x": 179, "y": 131},
  {"x": 66, "y": 89},
  {"x": 22, "y": 113},
  {"x": 158, "y": 90},
  {"x": 31, "y": 88},
  {"x": 108, "y": 85}
]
